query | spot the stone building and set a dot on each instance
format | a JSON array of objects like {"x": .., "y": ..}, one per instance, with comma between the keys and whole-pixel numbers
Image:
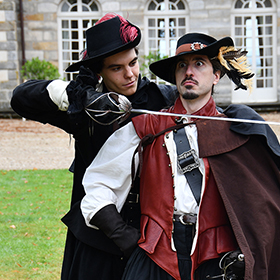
[{"x": 54, "y": 30}]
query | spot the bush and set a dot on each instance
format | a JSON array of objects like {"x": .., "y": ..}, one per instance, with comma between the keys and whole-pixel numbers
[
  {"x": 149, "y": 59},
  {"x": 39, "y": 70}
]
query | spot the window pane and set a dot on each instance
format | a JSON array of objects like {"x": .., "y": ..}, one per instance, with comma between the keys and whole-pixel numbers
[
  {"x": 74, "y": 24},
  {"x": 181, "y": 22},
  {"x": 75, "y": 35},
  {"x": 238, "y": 4},
  {"x": 268, "y": 30},
  {"x": 74, "y": 9},
  {"x": 152, "y": 44},
  {"x": 94, "y": 7},
  {"x": 152, "y": 6},
  {"x": 267, "y": 3},
  {"x": 66, "y": 56},
  {"x": 172, "y": 32},
  {"x": 269, "y": 83},
  {"x": 151, "y": 22},
  {"x": 238, "y": 20},
  {"x": 260, "y": 20},
  {"x": 65, "y": 7},
  {"x": 268, "y": 41},
  {"x": 171, "y": 7},
  {"x": 85, "y": 9},
  {"x": 259, "y": 83},
  {"x": 86, "y": 1},
  {"x": 182, "y": 31},
  {"x": 181, "y": 6},
  {"x": 65, "y": 24},
  {"x": 152, "y": 33},
  {"x": 75, "y": 56},
  {"x": 65, "y": 35},
  {"x": 161, "y": 7},
  {"x": 239, "y": 42},
  {"x": 238, "y": 31},
  {"x": 75, "y": 45},
  {"x": 268, "y": 72},
  {"x": 85, "y": 24},
  {"x": 65, "y": 45},
  {"x": 72, "y": 1},
  {"x": 268, "y": 19}
]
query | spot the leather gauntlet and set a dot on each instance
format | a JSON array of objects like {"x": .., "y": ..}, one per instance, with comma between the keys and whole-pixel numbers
[{"x": 109, "y": 220}]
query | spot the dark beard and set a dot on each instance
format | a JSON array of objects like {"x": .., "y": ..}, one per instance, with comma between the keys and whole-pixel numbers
[{"x": 188, "y": 94}]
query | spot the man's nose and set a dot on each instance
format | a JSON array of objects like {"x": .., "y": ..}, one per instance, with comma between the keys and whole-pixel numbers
[
  {"x": 128, "y": 72},
  {"x": 189, "y": 70}
]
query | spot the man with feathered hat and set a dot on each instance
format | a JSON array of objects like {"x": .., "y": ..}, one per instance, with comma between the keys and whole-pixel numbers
[
  {"x": 209, "y": 189},
  {"x": 109, "y": 64}
]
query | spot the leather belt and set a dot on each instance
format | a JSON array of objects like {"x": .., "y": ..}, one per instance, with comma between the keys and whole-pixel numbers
[
  {"x": 132, "y": 198},
  {"x": 185, "y": 219},
  {"x": 188, "y": 163}
]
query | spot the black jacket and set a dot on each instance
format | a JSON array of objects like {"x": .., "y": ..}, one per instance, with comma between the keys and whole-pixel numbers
[{"x": 31, "y": 100}]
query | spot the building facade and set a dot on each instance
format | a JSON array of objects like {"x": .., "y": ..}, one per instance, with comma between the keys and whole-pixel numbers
[{"x": 54, "y": 30}]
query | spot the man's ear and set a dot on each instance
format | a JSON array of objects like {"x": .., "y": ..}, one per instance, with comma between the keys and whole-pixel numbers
[{"x": 217, "y": 76}]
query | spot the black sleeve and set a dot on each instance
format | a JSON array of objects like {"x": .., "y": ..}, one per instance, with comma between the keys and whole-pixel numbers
[
  {"x": 170, "y": 93},
  {"x": 31, "y": 100}
]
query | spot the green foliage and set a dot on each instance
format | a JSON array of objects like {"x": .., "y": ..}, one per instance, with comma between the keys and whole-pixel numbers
[
  {"x": 149, "y": 59},
  {"x": 39, "y": 70},
  {"x": 32, "y": 237}
]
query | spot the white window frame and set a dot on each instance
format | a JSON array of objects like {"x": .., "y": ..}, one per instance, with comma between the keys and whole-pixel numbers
[
  {"x": 265, "y": 94},
  {"x": 80, "y": 15},
  {"x": 166, "y": 15}
]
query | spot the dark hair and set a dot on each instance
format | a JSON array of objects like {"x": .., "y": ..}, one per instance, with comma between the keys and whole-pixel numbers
[{"x": 98, "y": 66}]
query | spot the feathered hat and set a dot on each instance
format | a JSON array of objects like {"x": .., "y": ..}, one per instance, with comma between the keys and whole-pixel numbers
[
  {"x": 234, "y": 61},
  {"x": 110, "y": 35}
]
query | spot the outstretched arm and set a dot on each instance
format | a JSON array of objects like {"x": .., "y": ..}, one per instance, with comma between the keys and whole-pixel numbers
[{"x": 107, "y": 182}]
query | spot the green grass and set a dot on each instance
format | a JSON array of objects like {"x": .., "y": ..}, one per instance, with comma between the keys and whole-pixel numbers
[{"x": 32, "y": 237}]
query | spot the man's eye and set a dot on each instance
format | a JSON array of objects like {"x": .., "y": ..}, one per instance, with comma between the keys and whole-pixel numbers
[
  {"x": 182, "y": 65},
  {"x": 116, "y": 68},
  {"x": 199, "y": 63}
]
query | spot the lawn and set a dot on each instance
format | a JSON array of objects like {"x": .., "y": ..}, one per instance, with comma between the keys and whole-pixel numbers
[{"x": 32, "y": 237}]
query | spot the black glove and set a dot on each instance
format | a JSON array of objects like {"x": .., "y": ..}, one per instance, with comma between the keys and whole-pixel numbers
[
  {"x": 76, "y": 90},
  {"x": 109, "y": 220},
  {"x": 108, "y": 108},
  {"x": 233, "y": 265}
]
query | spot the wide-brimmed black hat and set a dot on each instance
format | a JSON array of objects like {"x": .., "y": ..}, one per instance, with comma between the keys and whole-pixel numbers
[
  {"x": 188, "y": 44},
  {"x": 103, "y": 40}
]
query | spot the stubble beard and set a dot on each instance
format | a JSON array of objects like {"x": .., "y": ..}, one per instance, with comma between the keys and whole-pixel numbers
[{"x": 189, "y": 94}]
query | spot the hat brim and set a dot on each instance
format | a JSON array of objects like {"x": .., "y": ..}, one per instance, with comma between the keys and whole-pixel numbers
[
  {"x": 165, "y": 68},
  {"x": 87, "y": 62}
]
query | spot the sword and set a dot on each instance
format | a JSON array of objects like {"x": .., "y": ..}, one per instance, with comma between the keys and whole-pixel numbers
[
  {"x": 144, "y": 111},
  {"x": 125, "y": 109}
]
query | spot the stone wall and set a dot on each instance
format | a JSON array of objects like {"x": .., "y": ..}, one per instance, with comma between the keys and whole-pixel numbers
[{"x": 9, "y": 64}]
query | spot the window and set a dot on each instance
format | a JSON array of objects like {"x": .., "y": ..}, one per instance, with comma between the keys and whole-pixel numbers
[
  {"x": 254, "y": 29},
  {"x": 74, "y": 17},
  {"x": 165, "y": 22}
]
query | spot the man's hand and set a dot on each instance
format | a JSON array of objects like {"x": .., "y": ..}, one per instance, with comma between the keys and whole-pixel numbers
[
  {"x": 108, "y": 108},
  {"x": 77, "y": 90}
]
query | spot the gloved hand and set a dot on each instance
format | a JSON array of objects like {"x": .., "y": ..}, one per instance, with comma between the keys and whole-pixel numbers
[
  {"x": 233, "y": 265},
  {"x": 77, "y": 90},
  {"x": 109, "y": 220},
  {"x": 108, "y": 108}
]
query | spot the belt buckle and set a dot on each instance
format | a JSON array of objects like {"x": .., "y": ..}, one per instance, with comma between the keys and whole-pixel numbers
[
  {"x": 181, "y": 219},
  {"x": 133, "y": 198},
  {"x": 187, "y": 161}
]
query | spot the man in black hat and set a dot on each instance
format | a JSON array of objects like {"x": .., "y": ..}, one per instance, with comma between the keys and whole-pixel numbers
[
  {"x": 109, "y": 63},
  {"x": 209, "y": 189}
]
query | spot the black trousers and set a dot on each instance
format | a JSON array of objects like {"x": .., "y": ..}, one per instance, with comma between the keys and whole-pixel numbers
[
  {"x": 83, "y": 262},
  {"x": 141, "y": 267}
]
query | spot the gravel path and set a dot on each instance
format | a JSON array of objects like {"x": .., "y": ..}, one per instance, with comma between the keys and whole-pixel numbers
[{"x": 32, "y": 145}]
